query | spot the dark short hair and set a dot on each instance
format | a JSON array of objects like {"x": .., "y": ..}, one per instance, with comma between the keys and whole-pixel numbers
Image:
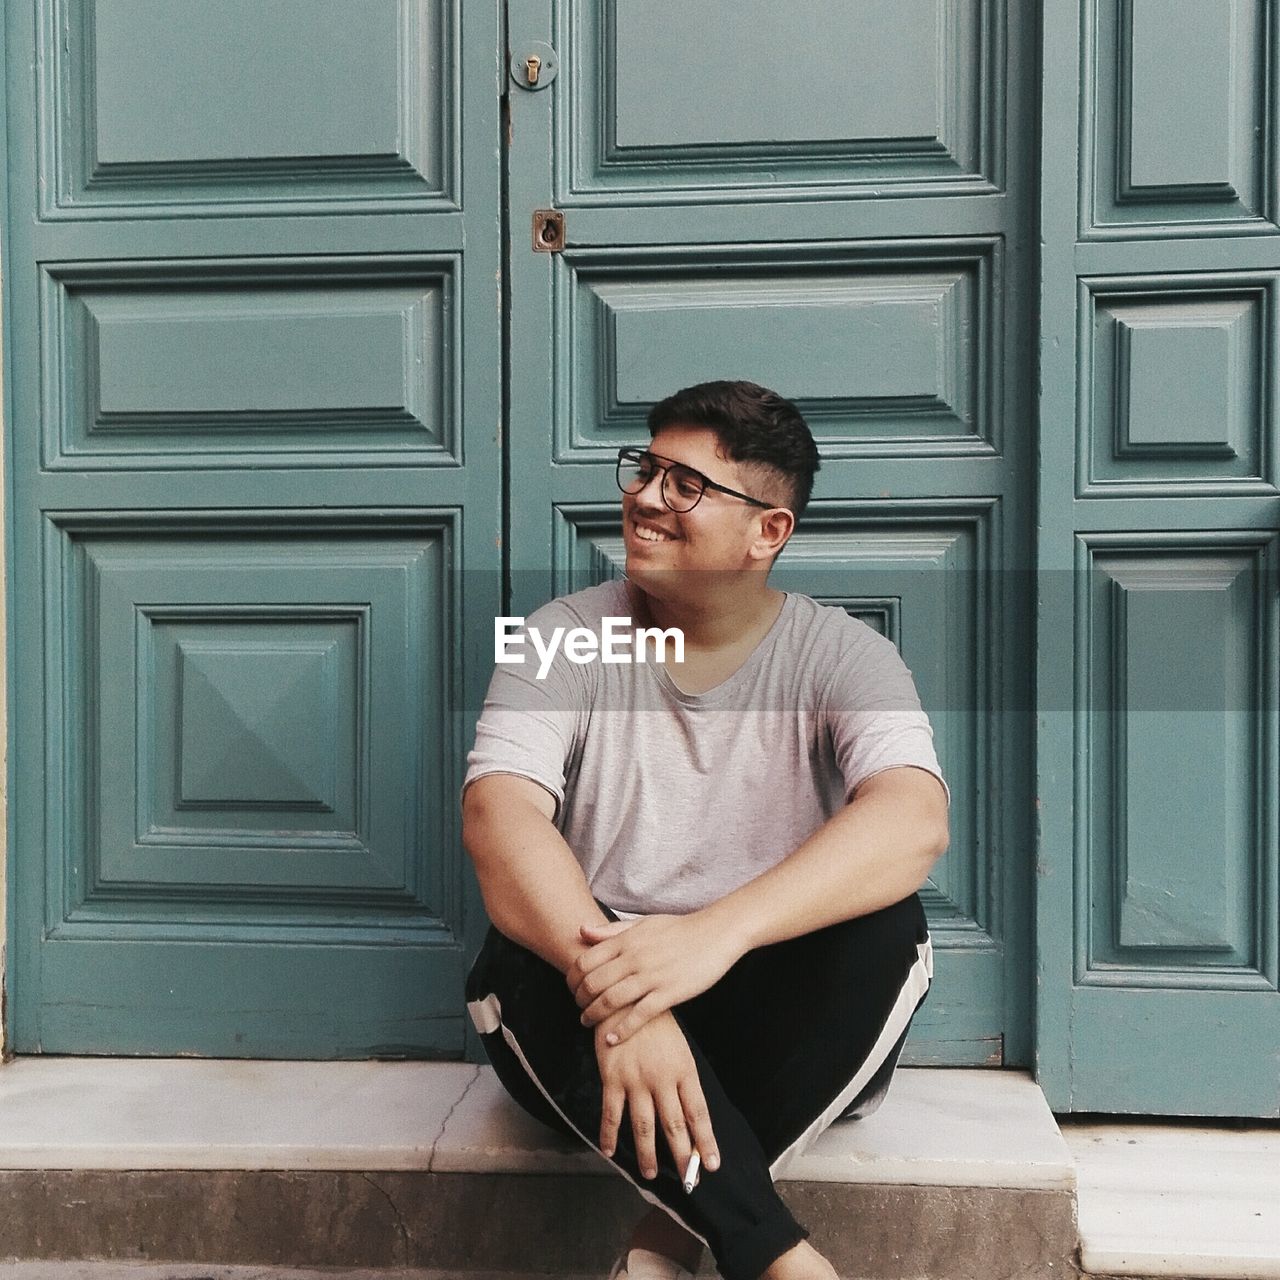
[{"x": 755, "y": 425}]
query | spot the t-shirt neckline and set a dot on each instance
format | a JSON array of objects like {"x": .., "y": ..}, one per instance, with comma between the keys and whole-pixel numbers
[{"x": 730, "y": 682}]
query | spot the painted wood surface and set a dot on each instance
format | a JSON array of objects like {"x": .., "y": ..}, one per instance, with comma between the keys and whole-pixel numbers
[
  {"x": 253, "y": 369},
  {"x": 1159, "y": 632},
  {"x": 264, "y": 499},
  {"x": 841, "y": 209}
]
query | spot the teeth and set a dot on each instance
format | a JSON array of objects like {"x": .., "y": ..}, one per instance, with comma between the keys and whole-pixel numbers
[{"x": 650, "y": 536}]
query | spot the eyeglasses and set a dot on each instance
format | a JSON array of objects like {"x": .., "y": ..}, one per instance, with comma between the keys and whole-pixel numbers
[{"x": 682, "y": 487}]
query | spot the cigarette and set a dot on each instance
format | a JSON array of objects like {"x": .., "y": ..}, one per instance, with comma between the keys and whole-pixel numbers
[{"x": 691, "y": 1173}]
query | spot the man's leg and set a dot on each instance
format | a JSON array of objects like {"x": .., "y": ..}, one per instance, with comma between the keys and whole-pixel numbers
[
  {"x": 545, "y": 1058},
  {"x": 803, "y": 1032}
]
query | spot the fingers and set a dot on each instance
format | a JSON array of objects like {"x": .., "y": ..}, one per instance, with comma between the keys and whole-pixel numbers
[
  {"x": 608, "y": 930},
  {"x": 674, "y": 1127},
  {"x": 599, "y": 980},
  {"x": 601, "y": 953},
  {"x": 615, "y": 1098},
  {"x": 699, "y": 1120},
  {"x": 618, "y": 996},
  {"x": 654, "y": 1082},
  {"x": 608, "y": 1026},
  {"x": 640, "y": 1103},
  {"x": 635, "y": 1016},
  {"x": 681, "y": 1112}
]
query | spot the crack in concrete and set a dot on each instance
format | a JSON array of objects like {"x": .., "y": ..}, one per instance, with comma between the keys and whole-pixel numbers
[
  {"x": 435, "y": 1142},
  {"x": 400, "y": 1222}
]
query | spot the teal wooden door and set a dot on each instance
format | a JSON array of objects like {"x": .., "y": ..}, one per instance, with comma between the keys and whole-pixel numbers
[
  {"x": 834, "y": 201},
  {"x": 253, "y": 395},
  {"x": 1159, "y": 644}
]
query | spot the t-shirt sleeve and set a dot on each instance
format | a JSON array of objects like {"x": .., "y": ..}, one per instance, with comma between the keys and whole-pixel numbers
[
  {"x": 874, "y": 716},
  {"x": 528, "y": 726}
]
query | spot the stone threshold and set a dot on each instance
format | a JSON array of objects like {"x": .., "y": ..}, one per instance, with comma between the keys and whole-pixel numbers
[
  {"x": 949, "y": 1148},
  {"x": 960, "y": 1175},
  {"x": 938, "y": 1127},
  {"x": 43, "y": 1269}
]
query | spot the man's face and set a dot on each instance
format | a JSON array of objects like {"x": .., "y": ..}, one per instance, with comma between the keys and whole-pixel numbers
[{"x": 716, "y": 535}]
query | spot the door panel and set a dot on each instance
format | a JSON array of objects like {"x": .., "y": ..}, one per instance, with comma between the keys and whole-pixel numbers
[
  {"x": 669, "y": 101},
  {"x": 839, "y": 226},
  {"x": 1160, "y": 501},
  {"x": 232, "y": 107},
  {"x": 917, "y": 327},
  {"x": 253, "y": 384},
  {"x": 1178, "y": 118},
  {"x": 333, "y": 363},
  {"x": 1174, "y": 628}
]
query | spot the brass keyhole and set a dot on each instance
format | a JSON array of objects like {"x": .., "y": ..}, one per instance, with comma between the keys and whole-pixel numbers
[
  {"x": 548, "y": 230},
  {"x": 532, "y": 65}
]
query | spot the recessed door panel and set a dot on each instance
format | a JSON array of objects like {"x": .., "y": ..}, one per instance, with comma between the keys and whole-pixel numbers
[
  {"x": 887, "y": 350},
  {"x": 233, "y": 106},
  {"x": 1178, "y": 118},
  {"x": 668, "y": 100}
]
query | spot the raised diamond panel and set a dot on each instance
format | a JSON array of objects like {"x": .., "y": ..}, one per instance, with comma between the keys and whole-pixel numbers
[
  {"x": 259, "y": 723},
  {"x": 273, "y": 746}
]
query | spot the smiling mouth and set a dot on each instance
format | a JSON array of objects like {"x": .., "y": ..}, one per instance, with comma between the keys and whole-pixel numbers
[{"x": 650, "y": 535}]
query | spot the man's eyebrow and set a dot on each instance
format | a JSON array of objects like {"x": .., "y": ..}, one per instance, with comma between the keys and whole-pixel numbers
[
  {"x": 687, "y": 465},
  {"x": 662, "y": 457}
]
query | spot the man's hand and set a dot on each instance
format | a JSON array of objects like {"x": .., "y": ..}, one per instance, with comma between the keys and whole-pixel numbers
[
  {"x": 655, "y": 1077},
  {"x": 637, "y": 969}
]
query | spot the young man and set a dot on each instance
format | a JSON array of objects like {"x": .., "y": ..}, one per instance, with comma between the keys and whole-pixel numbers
[{"x": 702, "y": 875}]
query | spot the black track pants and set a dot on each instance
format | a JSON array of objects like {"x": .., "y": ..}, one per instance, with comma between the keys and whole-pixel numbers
[{"x": 794, "y": 1036}]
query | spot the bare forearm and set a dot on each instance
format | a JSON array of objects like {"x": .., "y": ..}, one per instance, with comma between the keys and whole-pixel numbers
[
  {"x": 533, "y": 888},
  {"x": 869, "y": 855}
]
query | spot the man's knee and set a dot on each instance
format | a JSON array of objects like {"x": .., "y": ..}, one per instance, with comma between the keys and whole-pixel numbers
[
  {"x": 895, "y": 930},
  {"x": 528, "y": 1025}
]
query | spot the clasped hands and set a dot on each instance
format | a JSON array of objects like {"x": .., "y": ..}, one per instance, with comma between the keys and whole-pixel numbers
[
  {"x": 636, "y": 969},
  {"x": 626, "y": 981}
]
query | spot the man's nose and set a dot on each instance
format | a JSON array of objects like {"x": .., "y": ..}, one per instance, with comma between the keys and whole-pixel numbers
[{"x": 650, "y": 495}]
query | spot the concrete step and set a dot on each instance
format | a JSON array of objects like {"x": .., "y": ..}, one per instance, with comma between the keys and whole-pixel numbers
[
  {"x": 46, "y": 1270},
  {"x": 960, "y": 1174},
  {"x": 43, "y": 1269},
  {"x": 150, "y": 1169},
  {"x": 39, "y": 1269}
]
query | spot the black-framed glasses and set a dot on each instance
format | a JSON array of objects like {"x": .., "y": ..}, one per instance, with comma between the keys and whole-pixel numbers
[{"x": 682, "y": 487}]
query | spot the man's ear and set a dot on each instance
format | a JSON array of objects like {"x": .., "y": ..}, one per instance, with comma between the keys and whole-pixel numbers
[{"x": 776, "y": 527}]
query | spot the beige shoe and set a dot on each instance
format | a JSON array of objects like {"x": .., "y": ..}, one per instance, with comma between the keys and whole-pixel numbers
[{"x": 644, "y": 1264}]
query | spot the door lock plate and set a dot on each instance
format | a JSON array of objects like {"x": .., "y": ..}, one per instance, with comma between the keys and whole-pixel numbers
[
  {"x": 533, "y": 65},
  {"x": 548, "y": 230}
]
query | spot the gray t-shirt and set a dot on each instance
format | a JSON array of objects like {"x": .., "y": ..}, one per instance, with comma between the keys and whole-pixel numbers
[{"x": 670, "y": 800}]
